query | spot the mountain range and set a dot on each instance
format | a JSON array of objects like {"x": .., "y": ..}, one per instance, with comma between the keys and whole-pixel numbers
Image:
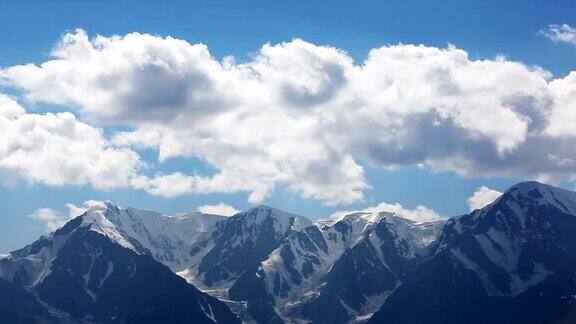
[{"x": 513, "y": 261}]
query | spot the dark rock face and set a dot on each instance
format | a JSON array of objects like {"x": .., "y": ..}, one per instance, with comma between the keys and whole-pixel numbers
[
  {"x": 344, "y": 269},
  {"x": 20, "y": 306},
  {"x": 311, "y": 243},
  {"x": 511, "y": 262},
  {"x": 259, "y": 302},
  {"x": 251, "y": 286},
  {"x": 96, "y": 279},
  {"x": 243, "y": 241},
  {"x": 371, "y": 268},
  {"x": 227, "y": 259},
  {"x": 355, "y": 275}
]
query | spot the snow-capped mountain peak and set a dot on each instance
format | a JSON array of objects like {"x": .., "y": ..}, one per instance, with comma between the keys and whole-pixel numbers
[
  {"x": 103, "y": 218},
  {"x": 359, "y": 217},
  {"x": 98, "y": 256},
  {"x": 168, "y": 239},
  {"x": 272, "y": 266},
  {"x": 533, "y": 192},
  {"x": 516, "y": 253},
  {"x": 283, "y": 221}
]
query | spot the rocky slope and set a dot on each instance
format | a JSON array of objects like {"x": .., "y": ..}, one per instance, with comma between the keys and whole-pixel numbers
[
  {"x": 513, "y": 261},
  {"x": 90, "y": 270}
]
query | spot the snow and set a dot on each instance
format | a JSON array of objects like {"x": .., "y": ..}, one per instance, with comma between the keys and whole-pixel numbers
[
  {"x": 504, "y": 253},
  {"x": 207, "y": 309},
  {"x": 359, "y": 221},
  {"x": 95, "y": 217},
  {"x": 359, "y": 224},
  {"x": 542, "y": 194},
  {"x": 500, "y": 249},
  {"x": 518, "y": 286},
  {"x": 90, "y": 293},
  {"x": 132, "y": 268},
  {"x": 504, "y": 242},
  {"x": 361, "y": 227},
  {"x": 283, "y": 221},
  {"x": 482, "y": 275},
  {"x": 351, "y": 312},
  {"x": 171, "y": 238},
  {"x": 36, "y": 266},
  {"x": 94, "y": 256},
  {"x": 168, "y": 238},
  {"x": 109, "y": 271},
  {"x": 373, "y": 304}
]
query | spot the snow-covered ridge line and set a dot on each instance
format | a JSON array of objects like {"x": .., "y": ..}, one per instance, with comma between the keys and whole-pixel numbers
[
  {"x": 543, "y": 194},
  {"x": 293, "y": 265}
]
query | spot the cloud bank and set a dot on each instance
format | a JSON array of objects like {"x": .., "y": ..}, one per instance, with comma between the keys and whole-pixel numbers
[
  {"x": 301, "y": 116},
  {"x": 58, "y": 149}
]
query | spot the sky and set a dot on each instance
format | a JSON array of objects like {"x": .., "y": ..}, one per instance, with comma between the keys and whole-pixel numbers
[{"x": 427, "y": 108}]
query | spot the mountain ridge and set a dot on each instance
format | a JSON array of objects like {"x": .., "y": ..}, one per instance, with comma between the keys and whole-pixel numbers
[
  {"x": 89, "y": 272},
  {"x": 270, "y": 266},
  {"x": 514, "y": 254}
]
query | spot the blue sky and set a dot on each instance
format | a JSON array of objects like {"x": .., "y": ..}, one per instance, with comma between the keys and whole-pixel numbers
[{"x": 484, "y": 29}]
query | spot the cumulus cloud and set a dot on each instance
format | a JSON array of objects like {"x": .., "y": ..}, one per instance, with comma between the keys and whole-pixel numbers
[
  {"x": 307, "y": 117},
  {"x": 482, "y": 197},
  {"x": 74, "y": 210},
  {"x": 57, "y": 149},
  {"x": 176, "y": 184},
  {"x": 560, "y": 33},
  {"x": 9, "y": 108},
  {"x": 218, "y": 209},
  {"x": 418, "y": 214},
  {"x": 54, "y": 219},
  {"x": 563, "y": 115},
  {"x": 51, "y": 218}
]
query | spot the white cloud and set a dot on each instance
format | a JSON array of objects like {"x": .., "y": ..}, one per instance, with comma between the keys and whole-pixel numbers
[
  {"x": 219, "y": 209},
  {"x": 563, "y": 116},
  {"x": 482, "y": 197},
  {"x": 171, "y": 185},
  {"x": 54, "y": 219},
  {"x": 9, "y": 108},
  {"x": 51, "y": 218},
  {"x": 74, "y": 210},
  {"x": 418, "y": 214},
  {"x": 306, "y": 117},
  {"x": 560, "y": 33},
  {"x": 176, "y": 184},
  {"x": 57, "y": 149}
]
